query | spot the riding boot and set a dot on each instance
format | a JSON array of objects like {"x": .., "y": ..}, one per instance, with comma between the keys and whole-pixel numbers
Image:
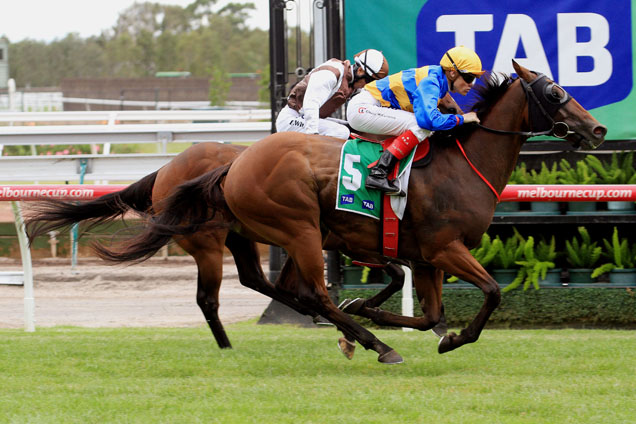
[
  {"x": 378, "y": 176},
  {"x": 398, "y": 150}
]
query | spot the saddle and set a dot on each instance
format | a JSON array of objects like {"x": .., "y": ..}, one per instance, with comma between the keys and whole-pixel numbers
[{"x": 392, "y": 207}]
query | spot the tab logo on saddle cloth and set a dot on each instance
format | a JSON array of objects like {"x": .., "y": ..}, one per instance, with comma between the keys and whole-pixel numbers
[{"x": 352, "y": 196}]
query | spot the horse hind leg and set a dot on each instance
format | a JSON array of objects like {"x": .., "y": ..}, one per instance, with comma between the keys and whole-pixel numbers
[
  {"x": 307, "y": 256},
  {"x": 456, "y": 259},
  {"x": 397, "y": 282},
  {"x": 207, "y": 251},
  {"x": 251, "y": 274}
]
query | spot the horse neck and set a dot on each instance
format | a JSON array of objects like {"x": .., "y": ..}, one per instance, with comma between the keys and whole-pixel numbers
[{"x": 495, "y": 155}]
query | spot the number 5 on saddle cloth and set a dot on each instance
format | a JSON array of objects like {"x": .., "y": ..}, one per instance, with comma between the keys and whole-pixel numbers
[{"x": 356, "y": 157}]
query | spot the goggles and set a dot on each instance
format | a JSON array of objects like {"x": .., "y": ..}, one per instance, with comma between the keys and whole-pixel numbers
[{"x": 466, "y": 76}]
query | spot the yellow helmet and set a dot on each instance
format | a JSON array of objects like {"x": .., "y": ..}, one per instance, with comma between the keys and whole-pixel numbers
[{"x": 463, "y": 59}]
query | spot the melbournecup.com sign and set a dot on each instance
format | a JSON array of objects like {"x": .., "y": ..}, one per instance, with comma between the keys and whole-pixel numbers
[
  {"x": 60, "y": 192},
  {"x": 569, "y": 193}
]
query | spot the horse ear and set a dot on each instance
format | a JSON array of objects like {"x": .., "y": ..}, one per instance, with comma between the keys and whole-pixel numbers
[{"x": 521, "y": 71}]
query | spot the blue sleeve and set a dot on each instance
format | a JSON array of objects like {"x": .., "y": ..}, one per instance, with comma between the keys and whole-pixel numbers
[{"x": 428, "y": 116}]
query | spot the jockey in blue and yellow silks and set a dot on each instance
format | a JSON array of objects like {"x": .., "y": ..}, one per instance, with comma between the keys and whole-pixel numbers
[
  {"x": 405, "y": 105},
  {"x": 418, "y": 91}
]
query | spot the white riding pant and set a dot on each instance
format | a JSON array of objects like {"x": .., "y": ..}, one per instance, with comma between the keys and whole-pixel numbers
[
  {"x": 365, "y": 114},
  {"x": 290, "y": 120}
]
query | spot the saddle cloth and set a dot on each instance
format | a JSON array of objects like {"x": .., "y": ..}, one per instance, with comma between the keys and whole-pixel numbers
[{"x": 356, "y": 157}]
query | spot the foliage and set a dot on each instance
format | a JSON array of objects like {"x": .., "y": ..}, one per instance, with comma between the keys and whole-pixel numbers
[
  {"x": 582, "y": 253},
  {"x": 48, "y": 150},
  {"x": 220, "y": 84},
  {"x": 560, "y": 307},
  {"x": 545, "y": 175},
  {"x": 520, "y": 175},
  {"x": 537, "y": 261},
  {"x": 620, "y": 170},
  {"x": 581, "y": 173},
  {"x": 620, "y": 254},
  {"x": 509, "y": 252},
  {"x": 264, "y": 83},
  {"x": 148, "y": 37}
]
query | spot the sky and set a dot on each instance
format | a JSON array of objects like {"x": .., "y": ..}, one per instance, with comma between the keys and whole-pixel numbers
[{"x": 47, "y": 20}]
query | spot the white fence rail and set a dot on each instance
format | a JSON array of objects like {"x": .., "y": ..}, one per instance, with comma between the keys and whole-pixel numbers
[
  {"x": 200, "y": 126},
  {"x": 116, "y": 167},
  {"x": 118, "y": 116}
]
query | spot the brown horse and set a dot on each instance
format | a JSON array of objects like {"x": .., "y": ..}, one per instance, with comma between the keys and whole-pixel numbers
[
  {"x": 282, "y": 190},
  {"x": 205, "y": 246}
]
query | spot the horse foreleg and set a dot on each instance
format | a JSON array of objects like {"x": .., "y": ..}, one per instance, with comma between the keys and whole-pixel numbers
[
  {"x": 457, "y": 260},
  {"x": 428, "y": 286}
]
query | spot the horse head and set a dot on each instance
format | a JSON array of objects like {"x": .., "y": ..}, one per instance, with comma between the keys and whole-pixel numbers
[{"x": 552, "y": 111}]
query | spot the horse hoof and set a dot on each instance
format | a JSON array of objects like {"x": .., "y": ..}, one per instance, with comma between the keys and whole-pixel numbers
[
  {"x": 440, "y": 330},
  {"x": 319, "y": 320},
  {"x": 346, "y": 347},
  {"x": 351, "y": 306},
  {"x": 445, "y": 344},
  {"x": 391, "y": 357}
]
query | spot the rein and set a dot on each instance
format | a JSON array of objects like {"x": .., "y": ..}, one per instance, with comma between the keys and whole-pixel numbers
[
  {"x": 541, "y": 111},
  {"x": 538, "y": 109},
  {"x": 477, "y": 171}
]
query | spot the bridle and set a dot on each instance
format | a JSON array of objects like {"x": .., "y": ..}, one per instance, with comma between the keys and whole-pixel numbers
[{"x": 543, "y": 104}]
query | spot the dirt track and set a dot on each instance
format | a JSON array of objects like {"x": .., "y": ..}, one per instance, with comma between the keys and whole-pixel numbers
[{"x": 157, "y": 293}]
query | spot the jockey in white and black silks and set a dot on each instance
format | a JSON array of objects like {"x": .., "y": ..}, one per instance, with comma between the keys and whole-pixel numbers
[
  {"x": 406, "y": 105},
  {"x": 325, "y": 89}
]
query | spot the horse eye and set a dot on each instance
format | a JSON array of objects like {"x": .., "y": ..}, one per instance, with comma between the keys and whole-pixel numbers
[{"x": 557, "y": 92}]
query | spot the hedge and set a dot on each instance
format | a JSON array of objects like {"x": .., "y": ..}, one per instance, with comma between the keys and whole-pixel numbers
[{"x": 544, "y": 308}]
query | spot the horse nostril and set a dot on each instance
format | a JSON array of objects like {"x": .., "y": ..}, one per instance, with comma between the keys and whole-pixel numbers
[{"x": 600, "y": 131}]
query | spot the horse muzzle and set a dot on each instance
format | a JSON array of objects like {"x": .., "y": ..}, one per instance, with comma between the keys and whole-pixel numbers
[{"x": 589, "y": 139}]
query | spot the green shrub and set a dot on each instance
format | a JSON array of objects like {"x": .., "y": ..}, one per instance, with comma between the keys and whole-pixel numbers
[
  {"x": 581, "y": 173},
  {"x": 535, "y": 264},
  {"x": 620, "y": 170},
  {"x": 582, "y": 253},
  {"x": 549, "y": 307},
  {"x": 545, "y": 175},
  {"x": 619, "y": 252},
  {"x": 509, "y": 252}
]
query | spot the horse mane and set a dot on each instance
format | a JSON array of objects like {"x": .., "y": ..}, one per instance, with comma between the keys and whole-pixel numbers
[{"x": 485, "y": 94}]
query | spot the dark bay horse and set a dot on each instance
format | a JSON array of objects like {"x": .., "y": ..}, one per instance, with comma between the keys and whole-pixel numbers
[{"x": 282, "y": 190}]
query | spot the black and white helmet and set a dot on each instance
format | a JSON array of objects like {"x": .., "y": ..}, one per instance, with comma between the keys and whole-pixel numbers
[{"x": 373, "y": 62}]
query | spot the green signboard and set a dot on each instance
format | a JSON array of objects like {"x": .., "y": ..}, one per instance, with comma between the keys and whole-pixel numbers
[{"x": 586, "y": 46}]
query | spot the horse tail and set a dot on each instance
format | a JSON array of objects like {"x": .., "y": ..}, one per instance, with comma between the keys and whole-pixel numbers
[
  {"x": 191, "y": 207},
  {"x": 51, "y": 215}
]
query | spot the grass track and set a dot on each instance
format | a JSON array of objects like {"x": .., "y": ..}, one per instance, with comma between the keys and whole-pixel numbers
[{"x": 282, "y": 374}]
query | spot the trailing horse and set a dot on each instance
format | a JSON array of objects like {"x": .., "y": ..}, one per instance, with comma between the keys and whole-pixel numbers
[
  {"x": 206, "y": 246},
  {"x": 282, "y": 190}
]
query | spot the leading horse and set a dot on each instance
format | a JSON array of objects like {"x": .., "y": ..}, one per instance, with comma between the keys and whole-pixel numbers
[{"x": 282, "y": 191}]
